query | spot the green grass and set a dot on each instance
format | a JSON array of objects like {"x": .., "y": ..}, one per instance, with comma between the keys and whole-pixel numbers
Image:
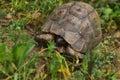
[{"x": 96, "y": 65}]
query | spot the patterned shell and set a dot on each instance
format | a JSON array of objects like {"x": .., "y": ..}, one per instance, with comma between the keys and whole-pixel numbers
[{"x": 78, "y": 23}]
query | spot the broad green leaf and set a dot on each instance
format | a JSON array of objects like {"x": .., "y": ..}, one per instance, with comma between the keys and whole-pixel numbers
[
  {"x": 108, "y": 11},
  {"x": 21, "y": 52}
]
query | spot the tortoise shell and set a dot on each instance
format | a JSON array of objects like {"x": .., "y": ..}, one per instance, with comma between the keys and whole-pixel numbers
[{"x": 77, "y": 23}]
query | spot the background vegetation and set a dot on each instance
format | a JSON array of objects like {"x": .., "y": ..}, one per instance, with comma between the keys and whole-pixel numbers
[{"x": 22, "y": 59}]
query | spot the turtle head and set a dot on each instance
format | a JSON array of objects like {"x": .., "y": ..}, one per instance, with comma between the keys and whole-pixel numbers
[
  {"x": 60, "y": 41},
  {"x": 60, "y": 44}
]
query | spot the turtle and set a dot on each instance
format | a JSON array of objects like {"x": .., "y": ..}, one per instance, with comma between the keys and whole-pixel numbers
[{"x": 75, "y": 26}]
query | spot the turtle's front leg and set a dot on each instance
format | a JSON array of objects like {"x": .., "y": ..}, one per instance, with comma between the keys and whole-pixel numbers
[
  {"x": 72, "y": 52},
  {"x": 45, "y": 37}
]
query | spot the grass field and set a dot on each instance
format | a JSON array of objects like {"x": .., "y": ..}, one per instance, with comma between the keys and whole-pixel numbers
[{"x": 22, "y": 59}]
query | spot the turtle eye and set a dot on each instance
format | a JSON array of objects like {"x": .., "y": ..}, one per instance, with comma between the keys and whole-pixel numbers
[{"x": 60, "y": 41}]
